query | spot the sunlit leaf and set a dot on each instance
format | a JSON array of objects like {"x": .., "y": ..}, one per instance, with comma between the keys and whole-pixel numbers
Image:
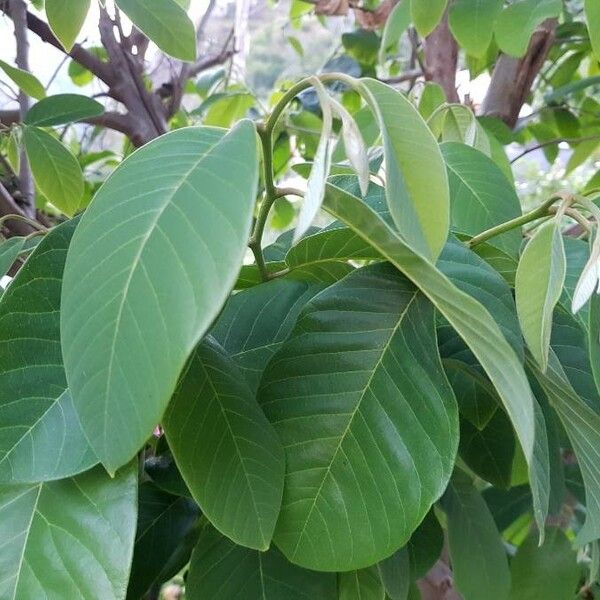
[
  {"x": 61, "y": 109},
  {"x": 66, "y": 18}
]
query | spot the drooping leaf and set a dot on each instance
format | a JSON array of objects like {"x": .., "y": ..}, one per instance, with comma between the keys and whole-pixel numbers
[
  {"x": 417, "y": 183},
  {"x": 66, "y": 18},
  {"x": 472, "y": 322},
  {"x": 220, "y": 570},
  {"x": 71, "y": 538},
  {"x": 166, "y": 23},
  {"x": 396, "y": 24},
  {"x": 394, "y": 573},
  {"x": 255, "y": 322},
  {"x": 25, "y": 80},
  {"x": 549, "y": 571},
  {"x": 479, "y": 561},
  {"x": 353, "y": 495},
  {"x": 147, "y": 307},
  {"x": 364, "y": 584},
  {"x": 225, "y": 448},
  {"x": 61, "y": 109},
  {"x": 40, "y": 437},
  {"x": 55, "y": 170},
  {"x": 426, "y": 14},
  {"x": 592, "y": 15},
  {"x": 517, "y": 21},
  {"x": 9, "y": 251},
  {"x": 476, "y": 183},
  {"x": 163, "y": 540},
  {"x": 538, "y": 286},
  {"x": 472, "y": 24}
]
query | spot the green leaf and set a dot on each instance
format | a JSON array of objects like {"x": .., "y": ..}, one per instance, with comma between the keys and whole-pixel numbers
[
  {"x": 220, "y": 570},
  {"x": 25, "y": 80},
  {"x": 477, "y": 553},
  {"x": 549, "y": 571},
  {"x": 517, "y": 21},
  {"x": 71, "y": 538},
  {"x": 472, "y": 24},
  {"x": 165, "y": 530},
  {"x": 396, "y": 24},
  {"x": 364, "y": 584},
  {"x": 426, "y": 14},
  {"x": 55, "y": 170},
  {"x": 476, "y": 183},
  {"x": 61, "y": 109},
  {"x": 283, "y": 214},
  {"x": 394, "y": 573},
  {"x": 166, "y": 23},
  {"x": 594, "y": 340},
  {"x": 40, "y": 438},
  {"x": 417, "y": 184},
  {"x": 425, "y": 545},
  {"x": 592, "y": 15},
  {"x": 255, "y": 322},
  {"x": 507, "y": 506},
  {"x": 225, "y": 109},
  {"x": 66, "y": 18},
  {"x": 226, "y": 450},
  {"x": 578, "y": 254},
  {"x": 432, "y": 97},
  {"x": 296, "y": 44},
  {"x": 538, "y": 287},
  {"x": 347, "y": 373},
  {"x": 471, "y": 321},
  {"x": 582, "y": 425},
  {"x": 174, "y": 219},
  {"x": 163, "y": 471},
  {"x": 9, "y": 251}
]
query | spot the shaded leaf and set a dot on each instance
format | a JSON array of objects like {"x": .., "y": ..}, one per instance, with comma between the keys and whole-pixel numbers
[
  {"x": 62, "y": 108},
  {"x": 9, "y": 251},
  {"x": 364, "y": 584},
  {"x": 394, "y": 573}
]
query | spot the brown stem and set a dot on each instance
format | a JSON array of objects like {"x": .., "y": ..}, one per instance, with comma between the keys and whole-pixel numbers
[{"x": 8, "y": 206}]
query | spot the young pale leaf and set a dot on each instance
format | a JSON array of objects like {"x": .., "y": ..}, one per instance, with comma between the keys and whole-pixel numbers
[
  {"x": 345, "y": 373},
  {"x": 476, "y": 183},
  {"x": 417, "y": 183},
  {"x": 364, "y": 584},
  {"x": 472, "y": 24},
  {"x": 594, "y": 340},
  {"x": 25, "y": 80},
  {"x": 9, "y": 251},
  {"x": 426, "y": 14},
  {"x": 164, "y": 538},
  {"x": 55, "y": 170},
  {"x": 66, "y": 18},
  {"x": 354, "y": 145},
  {"x": 549, "y": 571},
  {"x": 220, "y": 570},
  {"x": 166, "y": 23},
  {"x": 150, "y": 266},
  {"x": 315, "y": 187},
  {"x": 592, "y": 15},
  {"x": 478, "y": 557},
  {"x": 61, "y": 109},
  {"x": 396, "y": 24},
  {"x": 225, "y": 447},
  {"x": 395, "y": 574},
  {"x": 517, "y": 21},
  {"x": 538, "y": 286},
  {"x": 71, "y": 538},
  {"x": 472, "y": 322},
  {"x": 40, "y": 438}
]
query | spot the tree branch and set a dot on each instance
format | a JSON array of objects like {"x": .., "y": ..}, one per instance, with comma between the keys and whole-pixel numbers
[{"x": 8, "y": 206}]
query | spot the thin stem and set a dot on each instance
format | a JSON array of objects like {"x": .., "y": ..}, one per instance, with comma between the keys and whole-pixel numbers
[
  {"x": 24, "y": 219},
  {"x": 537, "y": 213}
]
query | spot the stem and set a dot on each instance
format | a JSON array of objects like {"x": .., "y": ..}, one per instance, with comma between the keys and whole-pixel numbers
[
  {"x": 24, "y": 219},
  {"x": 536, "y": 213}
]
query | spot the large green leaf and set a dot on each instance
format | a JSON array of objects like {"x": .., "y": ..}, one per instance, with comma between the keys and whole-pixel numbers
[
  {"x": 25, "y": 80},
  {"x": 364, "y": 584},
  {"x": 151, "y": 263},
  {"x": 479, "y": 561},
  {"x": 40, "y": 437},
  {"x": 472, "y": 322},
  {"x": 55, "y": 170},
  {"x": 592, "y": 14},
  {"x": 163, "y": 540},
  {"x": 71, "y": 538},
  {"x": 166, "y": 23},
  {"x": 549, "y": 571},
  {"x": 517, "y": 22},
  {"x": 369, "y": 443},
  {"x": 416, "y": 182},
  {"x": 472, "y": 24},
  {"x": 255, "y": 322},
  {"x": 538, "y": 286},
  {"x": 426, "y": 14},
  {"x": 476, "y": 184},
  {"x": 61, "y": 109},
  {"x": 582, "y": 425},
  {"x": 66, "y": 18},
  {"x": 220, "y": 570},
  {"x": 225, "y": 448}
]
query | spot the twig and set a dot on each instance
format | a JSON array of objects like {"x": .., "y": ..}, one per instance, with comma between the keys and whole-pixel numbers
[{"x": 552, "y": 143}]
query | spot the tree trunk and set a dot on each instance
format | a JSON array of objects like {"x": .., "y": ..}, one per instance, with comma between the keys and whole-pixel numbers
[{"x": 441, "y": 59}]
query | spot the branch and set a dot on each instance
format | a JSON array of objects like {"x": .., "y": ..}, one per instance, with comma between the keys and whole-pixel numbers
[
  {"x": 527, "y": 151},
  {"x": 408, "y": 76},
  {"x": 8, "y": 206},
  {"x": 9, "y": 117}
]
